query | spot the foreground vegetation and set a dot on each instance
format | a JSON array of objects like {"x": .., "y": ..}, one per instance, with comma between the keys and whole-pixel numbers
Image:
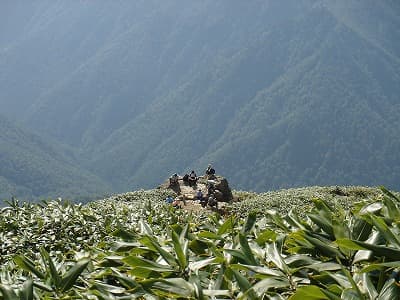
[{"x": 311, "y": 243}]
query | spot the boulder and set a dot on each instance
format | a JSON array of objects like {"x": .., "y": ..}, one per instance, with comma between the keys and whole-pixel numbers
[{"x": 224, "y": 193}]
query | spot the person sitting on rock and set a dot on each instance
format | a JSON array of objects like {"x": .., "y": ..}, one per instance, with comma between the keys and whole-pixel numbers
[
  {"x": 199, "y": 195},
  {"x": 210, "y": 188},
  {"x": 192, "y": 178},
  {"x": 185, "y": 179},
  {"x": 176, "y": 204},
  {"x": 173, "y": 180},
  {"x": 204, "y": 202},
  {"x": 212, "y": 201},
  {"x": 169, "y": 199},
  {"x": 210, "y": 171}
]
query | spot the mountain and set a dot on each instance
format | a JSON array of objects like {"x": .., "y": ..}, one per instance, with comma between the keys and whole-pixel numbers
[
  {"x": 274, "y": 93},
  {"x": 33, "y": 168}
]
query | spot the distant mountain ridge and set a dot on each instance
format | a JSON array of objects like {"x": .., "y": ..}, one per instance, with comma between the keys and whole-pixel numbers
[
  {"x": 33, "y": 169},
  {"x": 274, "y": 93}
]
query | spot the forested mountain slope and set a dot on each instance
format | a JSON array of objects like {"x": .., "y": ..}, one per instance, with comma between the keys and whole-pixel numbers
[
  {"x": 32, "y": 168},
  {"x": 274, "y": 93}
]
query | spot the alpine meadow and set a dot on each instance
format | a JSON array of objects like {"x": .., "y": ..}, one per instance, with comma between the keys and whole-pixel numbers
[{"x": 172, "y": 149}]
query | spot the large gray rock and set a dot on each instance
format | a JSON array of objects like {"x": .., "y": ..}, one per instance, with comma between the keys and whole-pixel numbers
[{"x": 223, "y": 192}]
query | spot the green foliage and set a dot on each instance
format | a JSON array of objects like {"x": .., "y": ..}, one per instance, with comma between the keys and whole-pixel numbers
[{"x": 138, "y": 247}]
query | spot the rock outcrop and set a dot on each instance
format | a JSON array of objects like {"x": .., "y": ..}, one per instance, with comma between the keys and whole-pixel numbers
[{"x": 222, "y": 191}]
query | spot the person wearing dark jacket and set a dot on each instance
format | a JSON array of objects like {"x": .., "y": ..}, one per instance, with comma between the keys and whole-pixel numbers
[{"x": 192, "y": 178}]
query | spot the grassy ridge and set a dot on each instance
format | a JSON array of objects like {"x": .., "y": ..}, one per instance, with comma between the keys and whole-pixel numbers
[{"x": 134, "y": 245}]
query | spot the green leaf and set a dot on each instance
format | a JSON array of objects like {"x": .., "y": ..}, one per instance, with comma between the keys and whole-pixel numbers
[
  {"x": 371, "y": 208},
  {"x": 239, "y": 255},
  {"x": 323, "y": 222},
  {"x": 244, "y": 285},
  {"x": 328, "y": 266},
  {"x": 135, "y": 261},
  {"x": 341, "y": 279},
  {"x": 198, "y": 247},
  {"x": 125, "y": 281},
  {"x": 227, "y": 225},
  {"x": 309, "y": 292},
  {"x": 197, "y": 265},
  {"x": 390, "y": 290},
  {"x": 391, "y": 208},
  {"x": 125, "y": 234},
  {"x": 169, "y": 287},
  {"x": 350, "y": 294},
  {"x": 389, "y": 193},
  {"x": 106, "y": 290},
  {"x": 250, "y": 221},
  {"x": 365, "y": 255},
  {"x": 266, "y": 236},
  {"x": 184, "y": 233},
  {"x": 261, "y": 287},
  {"x": 246, "y": 249},
  {"x": 366, "y": 285},
  {"x": 56, "y": 278},
  {"x": 352, "y": 282},
  {"x": 361, "y": 229},
  {"x": 209, "y": 235},
  {"x": 8, "y": 292},
  {"x": 380, "y": 266},
  {"x": 111, "y": 261},
  {"x": 340, "y": 229},
  {"x": 278, "y": 220},
  {"x": 275, "y": 256},
  {"x": 28, "y": 265},
  {"x": 258, "y": 270},
  {"x": 391, "y": 254},
  {"x": 152, "y": 244},
  {"x": 124, "y": 246},
  {"x": 147, "y": 273},
  {"x": 323, "y": 247},
  {"x": 294, "y": 220},
  {"x": 69, "y": 279},
  {"x": 27, "y": 290},
  {"x": 145, "y": 229},
  {"x": 386, "y": 232},
  {"x": 180, "y": 250},
  {"x": 42, "y": 286},
  {"x": 216, "y": 293}
]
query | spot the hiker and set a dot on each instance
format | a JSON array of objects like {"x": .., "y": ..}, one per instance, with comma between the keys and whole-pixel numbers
[
  {"x": 212, "y": 201},
  {"x": 176, "y": 203},
  {"x": 173, "y": 180},
  {"x": 185, "y": 179},
  {"x": 199, "y": 195},
  {"x": 201, "y": 198},
  {"x": 203, "y": 202},
  {"x": 210, "y": 171},
  {"x": 192, "y": 178},
  {"x": 169, "y": 199},
  {"x": 210, "y": 187}
]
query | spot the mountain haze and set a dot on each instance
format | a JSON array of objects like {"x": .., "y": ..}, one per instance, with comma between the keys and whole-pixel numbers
[
  {"x": 274, "y": 93},
  {"x": 34, "y": 168}
]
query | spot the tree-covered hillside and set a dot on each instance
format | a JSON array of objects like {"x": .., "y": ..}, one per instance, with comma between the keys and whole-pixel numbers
[
  {"x": 274, "y": 93},
  {"x": 33, "y": 168}
]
